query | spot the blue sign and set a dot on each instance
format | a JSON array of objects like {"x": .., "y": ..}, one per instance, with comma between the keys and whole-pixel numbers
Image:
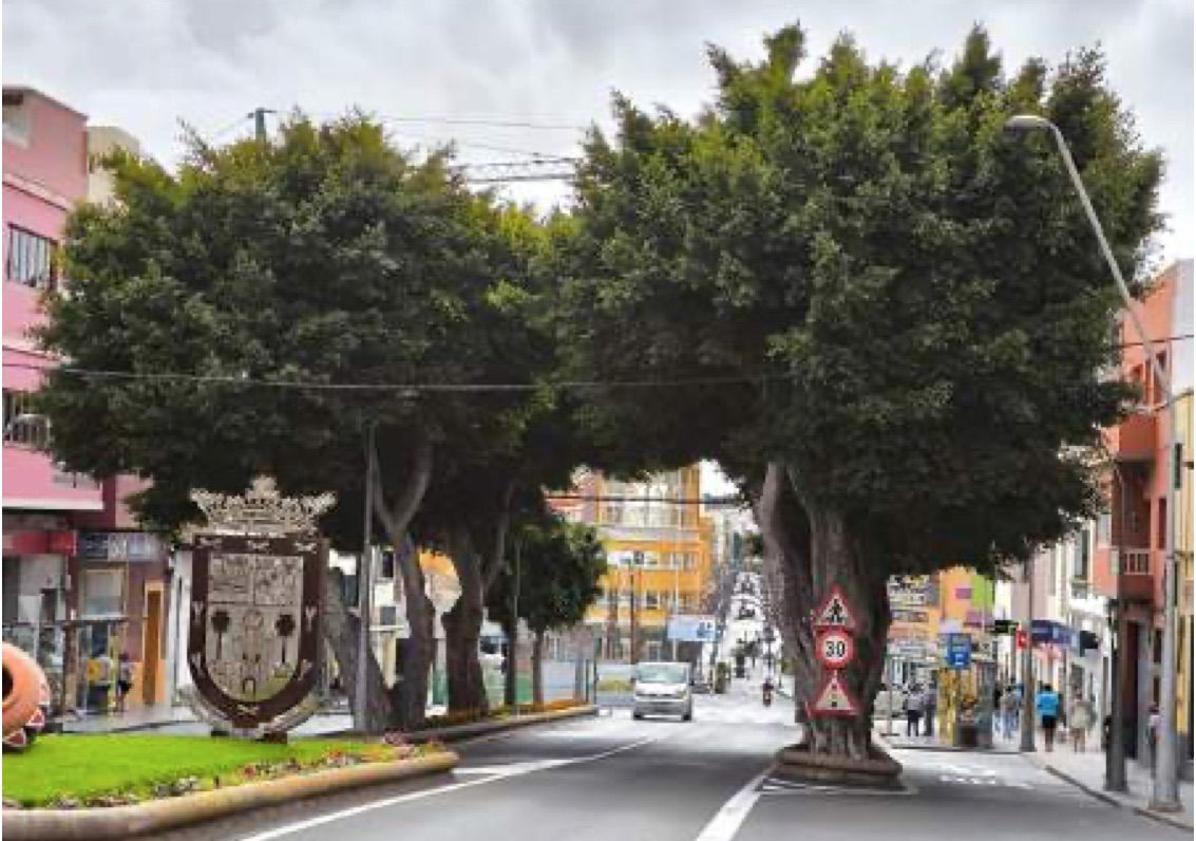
[
  {"x": 1044, "y": 631},
  {"x": 958, "y": 651},
  {"x": 692, "y": 628}
]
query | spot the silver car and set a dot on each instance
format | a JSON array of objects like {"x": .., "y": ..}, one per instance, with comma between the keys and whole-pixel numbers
[{"x": 662, "y": 689}]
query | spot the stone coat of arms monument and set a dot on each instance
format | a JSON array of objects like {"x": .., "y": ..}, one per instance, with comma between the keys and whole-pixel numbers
[{"x": 254, "y": 644}]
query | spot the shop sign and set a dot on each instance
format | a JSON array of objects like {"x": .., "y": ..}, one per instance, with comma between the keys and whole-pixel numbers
[{"x": 133, "y": 546}]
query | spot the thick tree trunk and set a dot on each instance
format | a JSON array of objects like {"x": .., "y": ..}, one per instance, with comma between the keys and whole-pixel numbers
[
  {"x": 538, "y": 668},
  {"x": 341, "y": 630},
  {"x": 463, "y": 627},
  {"x": 785, "y": 531},
  {"x": 840, "y": 558},
  {"x": 511, "y": 678},
  {"x": 411, "y": 691},
  {"x": 812, "y": 548},
  {"x": 410, "y": 694}
]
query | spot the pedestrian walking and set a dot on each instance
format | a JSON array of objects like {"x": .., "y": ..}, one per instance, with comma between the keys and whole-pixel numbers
[
  {"x": 1152, "y": 733},
  {"x": 914, "y": 704},
  {"x": 930, "y": 706},
  {"x": 124, "y": 681},
  {"x": 1047, "y": 706},
  {"x": 1080, "y": 718},
  {"x": 1010, "y": 705}
]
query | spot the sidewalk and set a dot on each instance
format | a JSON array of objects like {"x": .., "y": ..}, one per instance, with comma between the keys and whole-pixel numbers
[
  {"x": 1087, "y": 771},
  {"x": 138, "y": 718}
]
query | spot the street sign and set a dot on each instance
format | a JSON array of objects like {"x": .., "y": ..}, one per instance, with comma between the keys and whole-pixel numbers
[
  {"x": 834, "y": 612},
  {"x": 959, "y": 651},
  {"x": 835, "y": 648},
  {"x": 834, "y": 698},
  {"x": 688, "y": 628}
]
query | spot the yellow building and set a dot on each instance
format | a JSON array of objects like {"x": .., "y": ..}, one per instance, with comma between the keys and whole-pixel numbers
[{"x": 659, "y": 552}]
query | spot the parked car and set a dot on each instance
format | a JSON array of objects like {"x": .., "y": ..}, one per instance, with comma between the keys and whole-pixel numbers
[{"x": 662, "y": 689}]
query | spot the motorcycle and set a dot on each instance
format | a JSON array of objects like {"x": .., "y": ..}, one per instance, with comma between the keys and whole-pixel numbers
[{"x": 768, "y": 694}]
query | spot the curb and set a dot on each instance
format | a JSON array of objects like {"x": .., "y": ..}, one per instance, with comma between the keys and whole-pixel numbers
[
  {"x": 1108, "y": 799},
  {"x": 115, "y": 822},
  {"x": 460, "y": 732}
]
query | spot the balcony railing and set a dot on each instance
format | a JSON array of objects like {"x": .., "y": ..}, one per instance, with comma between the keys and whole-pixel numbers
[
  {"x": 1134, "y": 581},
  {"x": 1135, "y": 562}
]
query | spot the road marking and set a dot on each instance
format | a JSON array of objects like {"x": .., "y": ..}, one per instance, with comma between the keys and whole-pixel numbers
[
  {"x": 730, "y": 817},
  {"x": 774, "y": 786},
  {"x": 520, "y": 769}
]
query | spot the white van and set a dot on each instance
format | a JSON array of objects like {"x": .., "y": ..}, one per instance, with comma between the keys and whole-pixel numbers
[{"x": 662, "y": 689}]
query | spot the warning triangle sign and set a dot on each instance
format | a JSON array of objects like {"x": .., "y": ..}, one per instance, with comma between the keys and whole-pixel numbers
[
  {"x": 834, "y": 699},
  {"x": 834, "y": 612}
]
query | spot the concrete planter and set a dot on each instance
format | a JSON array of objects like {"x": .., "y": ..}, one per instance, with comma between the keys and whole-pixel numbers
[
  {"x": 100, "y": 824},
  {"x": 879, "y": 770}
]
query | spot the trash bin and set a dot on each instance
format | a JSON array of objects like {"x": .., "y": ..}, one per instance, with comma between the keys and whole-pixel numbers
[{"x": 967, "y": 733}]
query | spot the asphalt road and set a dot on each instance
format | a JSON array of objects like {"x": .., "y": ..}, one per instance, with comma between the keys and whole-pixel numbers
[{"x": 613, "y": 779}]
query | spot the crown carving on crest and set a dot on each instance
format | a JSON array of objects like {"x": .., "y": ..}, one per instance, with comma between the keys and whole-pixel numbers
[{"x": 262, "y": 510}]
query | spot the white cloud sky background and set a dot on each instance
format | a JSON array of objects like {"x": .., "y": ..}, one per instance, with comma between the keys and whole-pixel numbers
[{"x": 146, "y": 64}]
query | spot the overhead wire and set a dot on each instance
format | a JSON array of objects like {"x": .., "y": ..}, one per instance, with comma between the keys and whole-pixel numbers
[{"x": 409, "y": 388}]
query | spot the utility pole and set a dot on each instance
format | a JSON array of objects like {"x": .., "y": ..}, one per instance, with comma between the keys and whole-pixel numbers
[
  {"x": 1165, "y": 793},
  {"x": 1027, "y": 744},
  {"x": 360, "y": 702},
  {"x": 1115, "y": 750},
  {"x": 259, "y": 123},
  {"x": 512, "y": 658},
  {"x": 637, "y": 558}
]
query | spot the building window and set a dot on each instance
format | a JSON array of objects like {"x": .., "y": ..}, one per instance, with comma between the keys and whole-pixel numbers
[
  {"x": 386, "y": 569},
  {"x": 1104, "y": 529},
  {"x": 30, "y": 258},
  {"x": 388, "y": 615},
  {"x": 103, "y": 592},
  {"x": 652, "y": 600},
  {"x": 1161, "y": 536},
  {"x": 1081, "y": 570},
  {"x": 24, "y": 427}
]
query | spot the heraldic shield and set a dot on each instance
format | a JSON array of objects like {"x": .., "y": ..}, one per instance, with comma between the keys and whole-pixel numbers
[{"x": 255, "y": 609}]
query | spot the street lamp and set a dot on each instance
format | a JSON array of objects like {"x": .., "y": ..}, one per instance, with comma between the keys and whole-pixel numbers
[{"x": 1165, "y": 796}]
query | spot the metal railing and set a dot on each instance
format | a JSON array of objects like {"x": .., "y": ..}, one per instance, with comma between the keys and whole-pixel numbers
[{"x": 1135, "y": 562}]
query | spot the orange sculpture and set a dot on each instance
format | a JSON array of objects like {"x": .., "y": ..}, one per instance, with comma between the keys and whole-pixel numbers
[{"x": 26, "y": 698}]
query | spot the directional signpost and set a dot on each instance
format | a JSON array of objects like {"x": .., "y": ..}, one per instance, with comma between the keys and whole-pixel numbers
[{"x": 834, "y": 625}]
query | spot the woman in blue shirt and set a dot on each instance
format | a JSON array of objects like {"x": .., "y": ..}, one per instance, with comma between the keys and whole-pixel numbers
[{"x": 1047, "y": 706}]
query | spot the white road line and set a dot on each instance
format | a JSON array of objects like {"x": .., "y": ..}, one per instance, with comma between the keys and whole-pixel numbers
[
  {"x": 519, "y": 770},
  {"x": 730, "y": 817}
]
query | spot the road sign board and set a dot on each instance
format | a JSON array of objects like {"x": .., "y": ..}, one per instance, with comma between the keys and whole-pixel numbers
[
  {"x": 835, "y": 648},
  {"x": 834, "y": 698},
  {"x": 959, "y": 651},
  {"x": 834, "y": 612},
  {"x": 692, "y": 628}
]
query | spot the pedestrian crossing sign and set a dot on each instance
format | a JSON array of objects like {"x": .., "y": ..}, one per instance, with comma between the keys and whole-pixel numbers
[
  {"x": 834, "y": 698},
  {"x": 834, "y": 612}
]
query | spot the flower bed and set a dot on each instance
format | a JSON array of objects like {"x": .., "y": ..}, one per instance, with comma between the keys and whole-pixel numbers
[{"x": 76, "y": 771}]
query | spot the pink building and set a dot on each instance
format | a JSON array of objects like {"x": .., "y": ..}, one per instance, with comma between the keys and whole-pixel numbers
[{"x": 78, "y": 578}]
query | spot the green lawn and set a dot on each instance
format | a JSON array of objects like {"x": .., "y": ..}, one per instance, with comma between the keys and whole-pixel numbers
[{"x": 83, "y": 766}]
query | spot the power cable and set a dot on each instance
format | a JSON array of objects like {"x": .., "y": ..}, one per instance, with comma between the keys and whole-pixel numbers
[{"x": 410, "y": 388}]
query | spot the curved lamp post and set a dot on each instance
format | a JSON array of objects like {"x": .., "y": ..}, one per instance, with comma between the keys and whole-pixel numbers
[{"x": 1165, "y": 796}]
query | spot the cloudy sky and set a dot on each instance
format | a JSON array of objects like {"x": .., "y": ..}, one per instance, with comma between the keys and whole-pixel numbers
[{"x": 147, "y": 64}]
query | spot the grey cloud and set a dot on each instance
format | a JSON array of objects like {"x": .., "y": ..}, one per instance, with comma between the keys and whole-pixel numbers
[{"x": 144, "y": 64}]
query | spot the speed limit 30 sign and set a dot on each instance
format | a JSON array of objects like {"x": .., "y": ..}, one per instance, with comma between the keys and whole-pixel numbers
[{"x": 835, "y": 648}]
